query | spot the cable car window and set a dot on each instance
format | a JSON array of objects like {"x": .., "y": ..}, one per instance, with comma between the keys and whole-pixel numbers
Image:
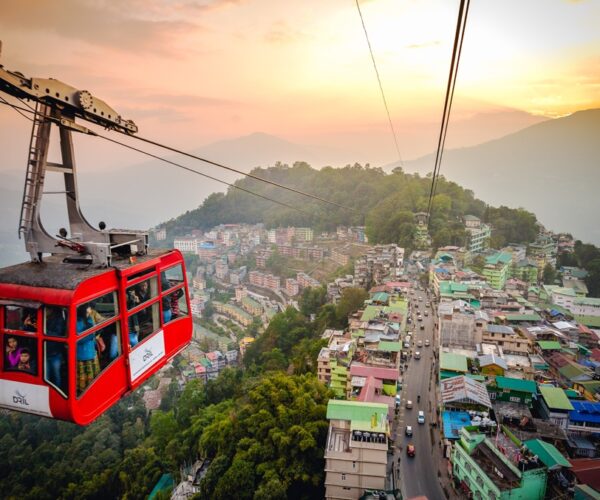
[
  {"x": 140, "y": 274},
  {"x": 142, "y": 324},
  {"x": 174, "y": 305},
  {"x": 111, "y": 338},
  {"x": 55, "y": 321},
  {"x": 90, "y": 349},
  {"x": 20, "y": 354},
  {"x": 55, "y": 365},
  {"x": 171, "y": 277},
  {"x": 20, "y": 318},
  {"x": 96, "y": 311},
  {"x": 142, "y": 292}
]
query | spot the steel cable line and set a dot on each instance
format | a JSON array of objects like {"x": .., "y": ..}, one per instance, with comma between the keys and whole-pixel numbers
[
  {"x": 109, "y": 139},
  {"x": 387, "y": 110},
  {"x": 456, "y": 52},
  {"x": 220, "y": 165}
]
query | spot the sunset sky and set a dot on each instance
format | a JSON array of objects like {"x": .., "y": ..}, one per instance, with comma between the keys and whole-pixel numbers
[{"x": 192, "y": 72}]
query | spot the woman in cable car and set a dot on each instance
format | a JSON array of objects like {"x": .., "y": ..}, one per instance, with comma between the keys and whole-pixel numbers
[{"x": 76, "y": 339}]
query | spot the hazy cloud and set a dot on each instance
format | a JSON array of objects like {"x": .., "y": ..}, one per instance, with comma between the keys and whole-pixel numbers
[{"x": 95, "y": 23}]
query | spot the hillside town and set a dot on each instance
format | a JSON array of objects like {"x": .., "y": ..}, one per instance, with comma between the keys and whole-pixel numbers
[{"x": 467, "y": 351}]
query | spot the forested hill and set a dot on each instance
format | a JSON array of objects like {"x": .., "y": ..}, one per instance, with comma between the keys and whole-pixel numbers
[{"x": 385, "y": 203}]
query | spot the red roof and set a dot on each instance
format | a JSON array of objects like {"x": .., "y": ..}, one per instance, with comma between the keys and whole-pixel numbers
[
  {"x": 359, "y": 370},
  {"x": 596, "y": 354},
  {"x": 558, "y": 360},
  {"x": 397, "y": 284},
  {"x": 587, "y": 471}
]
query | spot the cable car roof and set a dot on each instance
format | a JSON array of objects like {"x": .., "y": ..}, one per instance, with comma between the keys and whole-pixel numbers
[{"x": 54, "y": 273}]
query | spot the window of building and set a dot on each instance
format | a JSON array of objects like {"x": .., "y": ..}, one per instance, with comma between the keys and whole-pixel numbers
[{"x": 343, "y": 477}]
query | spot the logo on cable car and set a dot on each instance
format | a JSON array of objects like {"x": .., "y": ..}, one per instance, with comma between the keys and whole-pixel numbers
[
  {"x": 147, "y": 354},
  {"x": 20, "y": 399}
]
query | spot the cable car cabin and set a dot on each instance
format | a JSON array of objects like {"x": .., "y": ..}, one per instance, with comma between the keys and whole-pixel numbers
[{"x": 76, "y": 339}]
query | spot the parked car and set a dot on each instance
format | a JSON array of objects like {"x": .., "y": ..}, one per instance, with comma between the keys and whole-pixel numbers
[
  {"x": 410, "y": 450},
  {"x": 417, "y": 354},
  {"x": 408, "y": 430},
  {"x": 426, "y": 342},
  {"x": 421, "y": 417}
]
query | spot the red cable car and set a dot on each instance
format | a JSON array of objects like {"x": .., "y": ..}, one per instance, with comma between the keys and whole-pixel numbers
[
  {"x": 93, "y": 315},
  {"x": 75, "y": 341}
]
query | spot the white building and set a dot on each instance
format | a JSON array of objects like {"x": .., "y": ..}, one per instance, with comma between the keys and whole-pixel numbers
[{"x": 187, "y": 245}]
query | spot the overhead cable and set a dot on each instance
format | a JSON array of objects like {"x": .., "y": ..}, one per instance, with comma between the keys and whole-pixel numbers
[
  {"x": 456, "y": 53},
  {"x": 385, "y": 104},
  {"x": 95, "y": 134}
]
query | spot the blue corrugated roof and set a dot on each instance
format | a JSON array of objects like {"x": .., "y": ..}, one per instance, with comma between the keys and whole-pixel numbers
[{"x": 585, "y": 411}]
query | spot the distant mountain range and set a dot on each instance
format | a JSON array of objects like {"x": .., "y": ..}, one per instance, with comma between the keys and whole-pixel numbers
[{"x": 551, "y": 168}]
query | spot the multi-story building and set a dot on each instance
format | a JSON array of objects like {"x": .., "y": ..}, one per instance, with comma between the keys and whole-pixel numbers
[
  {"x": 160, "y": 234},
  {"x": 458, "y": 328},
  {"x": 506, "y": 338},
  {"x": 543, "y": 251},
  {"x": 197, "y": 305},
  {"x": 586, "y": 311},
  {"x": 186, "y": 245},
  {"x": 292, "y": 287},
  {"x": 356, "y": 449},
  {"x": 340, "y": 256},
  {"x": 240, "y": 293},
  {"x": 305, "y": 281},
  {"x": 496, "y": 269},
  {"x": 233, "y": 312},
  {"x": 221, "y": 269},
  {"x": 251, "y": 306},
  {"x": 207, "y": 250},
  {"x": 554, "y": 405},
  {"x": 303, "y": 234},
  {"x": 379, "y": 263},
  {"x": 478, "y": 233},
  {"x": 525, "y": 270},
  {"x": 485, "y": 472}
]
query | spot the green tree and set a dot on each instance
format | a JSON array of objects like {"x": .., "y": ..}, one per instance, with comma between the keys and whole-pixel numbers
[{"x": 549, "y": 274}]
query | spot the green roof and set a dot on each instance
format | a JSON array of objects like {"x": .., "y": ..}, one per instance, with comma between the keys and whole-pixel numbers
[
  {"x": 515, "y": 384},
  {"x": 591, "y": 321},
  {"x": 370, "y": 313},
  {"x": 571, "y": 370},
  {"x": 387, "y": 346},
  {"x": 555, "y": 398},
  {"x": 380, "y": 297},
  {"x": 547, "y": 453},
  {"x": 251, "y": 302},
  {"x": 500, "y": 257},
  {"x": 523, "y": 317},
  {"x": 549, "y": 345},
  {"x": 361, "y": 415},
  {"x": 451, "y": 287},
  {"x": 450, "y": 361}
]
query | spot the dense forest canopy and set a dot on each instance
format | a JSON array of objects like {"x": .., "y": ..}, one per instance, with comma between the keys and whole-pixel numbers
[{"x": 385, "y": 203}]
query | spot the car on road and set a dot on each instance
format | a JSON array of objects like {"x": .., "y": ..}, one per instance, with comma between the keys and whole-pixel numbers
[
  {"x": 410, "y": 450},
  {"x": 426, "y": 313},
  {"x": 422, "y": 326},
  {"x": 426, "y": 342},
  {"x": 408, "y": 430},
  {"x": 417, "y": 355},
  {"x": 421, "y": 417},
  {"x": 406, "y": 345},
  {"x": 419, "y": 343},
  {"x": 419, "y": 318},
  {"x": 408, "y": 403}
]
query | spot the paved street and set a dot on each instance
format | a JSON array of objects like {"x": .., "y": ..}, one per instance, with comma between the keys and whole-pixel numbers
[{"x": 419, "y": 475}]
